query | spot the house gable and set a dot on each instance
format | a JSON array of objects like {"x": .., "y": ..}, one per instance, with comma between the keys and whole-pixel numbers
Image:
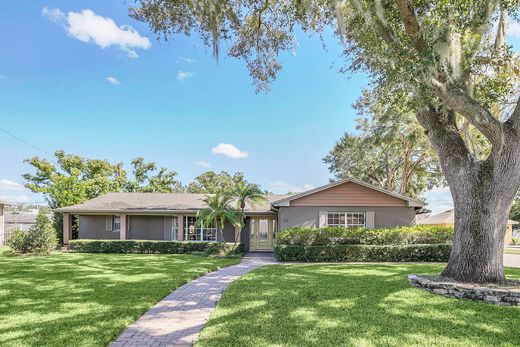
[{"x": 349, "y": 192}]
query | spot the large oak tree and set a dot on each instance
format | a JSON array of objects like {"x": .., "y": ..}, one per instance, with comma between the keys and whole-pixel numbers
[{"x": 448, "y": 56}]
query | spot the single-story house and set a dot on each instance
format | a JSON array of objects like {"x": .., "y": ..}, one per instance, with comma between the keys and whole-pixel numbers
[
  {"x": 172, "y": 216},
  {"x": 447, "y": 218}
]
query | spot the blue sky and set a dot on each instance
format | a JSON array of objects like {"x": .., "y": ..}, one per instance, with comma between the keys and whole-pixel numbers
[{"x": 71, "y": 87}]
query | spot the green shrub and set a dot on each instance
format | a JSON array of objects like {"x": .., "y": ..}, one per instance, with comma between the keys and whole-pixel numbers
[
  {"x": 515, "y": 241},
  {"x": 420, "y": 234},
  {"x": 39, "y": 239},
  {"x": 17, "y": 241},
  {"x": 363, "y": 253},
  {"x": 148, "y": 246}
]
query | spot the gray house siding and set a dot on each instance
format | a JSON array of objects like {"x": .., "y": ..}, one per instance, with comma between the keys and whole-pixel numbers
[
  {"x": 309, "y": 216},
  {"x": 229, "y": 232},
  {"x": 139, "y": 228},
  {"x": 245, "y": 234},
  {"x": 146, "y": 228},
  {"x": 94, "y": 227}
]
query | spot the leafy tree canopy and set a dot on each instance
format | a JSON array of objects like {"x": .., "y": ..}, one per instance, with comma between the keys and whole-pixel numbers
[
  {"x": 211, "y": 182},
  {"x": 73, "y": 179},
  {"x": 390, "y": 149}
]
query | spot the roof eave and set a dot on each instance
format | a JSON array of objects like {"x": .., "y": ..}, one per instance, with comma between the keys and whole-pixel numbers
[{"x": 144, "y": 211}]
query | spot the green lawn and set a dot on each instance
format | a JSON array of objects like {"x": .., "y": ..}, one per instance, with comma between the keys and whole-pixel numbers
[
  {"x": 71, "y": 299},
  {"x": 352, "y": 305}
]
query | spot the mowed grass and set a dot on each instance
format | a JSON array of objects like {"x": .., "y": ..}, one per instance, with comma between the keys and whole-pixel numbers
[
  {"x": 352, "y": 305},
  {"x": 72, "y": 299}
]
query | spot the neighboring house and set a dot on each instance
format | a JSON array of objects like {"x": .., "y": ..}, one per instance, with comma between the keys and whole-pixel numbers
[
  {"x": 20, "y": 220},
  {"x": 447, "y": 218},
  {"x": 3, "y": 205},
  {"x": 172, "y": 216}
]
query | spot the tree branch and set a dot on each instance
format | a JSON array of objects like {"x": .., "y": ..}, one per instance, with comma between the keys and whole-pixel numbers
[
  {"x": 474, "y": 112},
  {"x": 513, "y": 123},
  {"x": 411, "y": 25},
  {"x": 445, "y": 138}
]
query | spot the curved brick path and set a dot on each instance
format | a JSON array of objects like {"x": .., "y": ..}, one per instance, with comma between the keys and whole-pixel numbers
[{"x": 178, "y": 318}]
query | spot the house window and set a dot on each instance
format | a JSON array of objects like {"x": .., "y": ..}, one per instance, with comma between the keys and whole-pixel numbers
[
  {"x": 346, "y": 219},
  {"x": 175, "y": 229},
  {"x": 116, "y": 223},
  {"x": 192, "y": 232}
]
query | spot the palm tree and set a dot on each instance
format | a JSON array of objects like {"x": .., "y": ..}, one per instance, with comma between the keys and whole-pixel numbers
[
  {"x": 247, "y": 193},
  {"x": 219, "y": 211}
]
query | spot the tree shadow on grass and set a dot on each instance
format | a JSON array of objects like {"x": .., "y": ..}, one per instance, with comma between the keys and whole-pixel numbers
[
  {"x": 70, "y": 299},
  {"x": 330, "y": 305}
]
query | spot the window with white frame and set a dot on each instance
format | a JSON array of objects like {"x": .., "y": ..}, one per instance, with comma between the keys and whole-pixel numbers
[
  {"x": 346, "y": 219},
  {"x": 116, "y": 223},
  {"x": 192, "y": 232}
]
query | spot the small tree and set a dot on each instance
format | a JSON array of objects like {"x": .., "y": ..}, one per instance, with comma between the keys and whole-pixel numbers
[
  {"x": 246, "y": 193},
  {"x": 40, "y": 239},
  {"x": 219, "y": 211}
]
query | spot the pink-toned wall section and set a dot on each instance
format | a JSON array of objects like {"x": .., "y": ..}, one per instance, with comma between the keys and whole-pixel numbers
[
  {"x": 67, "y": 228},
  {"x": 349, "y": 194},
  {"x": 122, "y": 225}
]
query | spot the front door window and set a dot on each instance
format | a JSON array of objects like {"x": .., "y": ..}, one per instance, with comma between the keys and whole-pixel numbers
[{"x": 263, "y": 229}]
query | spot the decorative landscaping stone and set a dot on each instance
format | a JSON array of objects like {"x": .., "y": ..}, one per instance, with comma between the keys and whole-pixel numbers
[{"x": 442, "y": 286}]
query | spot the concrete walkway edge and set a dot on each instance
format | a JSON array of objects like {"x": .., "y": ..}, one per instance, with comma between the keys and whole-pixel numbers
[{"x": 178, "y": 319}]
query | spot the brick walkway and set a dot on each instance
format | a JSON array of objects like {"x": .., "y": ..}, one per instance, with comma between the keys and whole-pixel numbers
[{"x": 178, "y": 318}]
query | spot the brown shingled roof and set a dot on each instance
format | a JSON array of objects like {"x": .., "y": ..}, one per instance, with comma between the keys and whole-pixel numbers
[{"x": 155, "y": 202}]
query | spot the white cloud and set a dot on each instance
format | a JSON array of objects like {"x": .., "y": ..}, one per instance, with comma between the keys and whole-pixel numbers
[
  {"x": 113, "y": 80},
  {"x": 279, "y": 187},
  {"x": 130, "y": 53},
  {"x": 229, "y": 150},
  {"x": 86, "y": 26},
  {"x": 187, "y": 60},
  {"x": 54, "y": 14},
  {"x": 203, "y": 164},
  {"x": 514, "y": 29},
  {"x": 10, "y": 185},
  {"x": 182, "y": 75}
]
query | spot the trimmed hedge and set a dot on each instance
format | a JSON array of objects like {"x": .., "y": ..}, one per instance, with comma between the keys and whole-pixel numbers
[
  {"x": 363, "y": 253},
  {"x": 147, "y": 246},
  {"x": 420, "y": 234}
]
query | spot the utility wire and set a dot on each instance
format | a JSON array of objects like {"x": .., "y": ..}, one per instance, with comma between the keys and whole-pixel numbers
[{"x": 28, "y": 143}]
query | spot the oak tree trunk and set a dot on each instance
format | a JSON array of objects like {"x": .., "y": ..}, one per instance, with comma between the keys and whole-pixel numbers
[
  {"x": 483, "y": 192},
  {"x": 481, "y": 215}
]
